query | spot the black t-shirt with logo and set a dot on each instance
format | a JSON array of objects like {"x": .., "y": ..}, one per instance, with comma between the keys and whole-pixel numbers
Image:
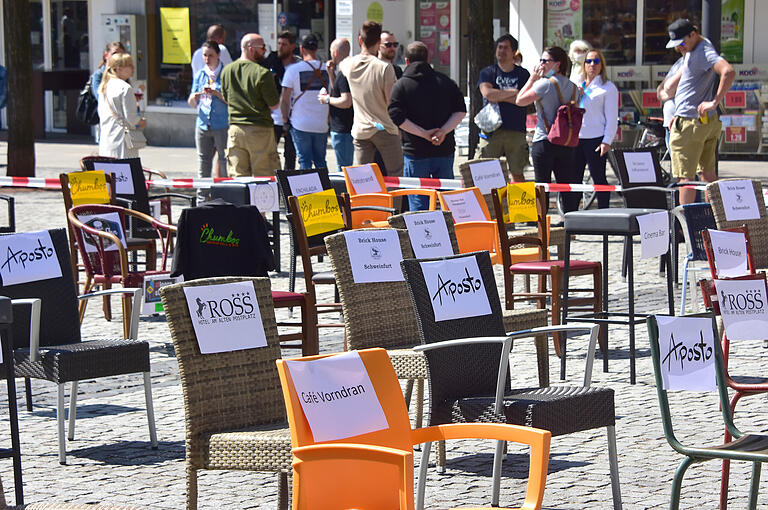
[
  {"x": 341, "y": 118},
  {"x": 512, "y": 116}
]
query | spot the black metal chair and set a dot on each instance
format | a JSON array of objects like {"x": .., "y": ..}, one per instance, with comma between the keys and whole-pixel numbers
[
  {"x": 463, "y": 386},
  {"x": 14, "y": 452},
  {"x": 48, "y": 345},
  {"x": 693, "y": 220}
]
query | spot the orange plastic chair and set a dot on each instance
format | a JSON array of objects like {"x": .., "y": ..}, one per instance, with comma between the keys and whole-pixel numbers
[
  {"x": 374, "y": 471},
  {"x": 381, "y": 198},
  {"x": 473, "y": 234}
]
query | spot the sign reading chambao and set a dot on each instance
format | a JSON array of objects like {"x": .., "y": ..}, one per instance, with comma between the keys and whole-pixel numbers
[
  {"x": 363, "y": 179},
  {"x": 739, "y": 200},
  {"x": 487, "y": 175},
  {"x": 654, "y": 234},
  {"x": 108, "y": 222},
  {"x": 28, "y": 257},
  {"x": 730, "y": 249},
  {"x": 150, "y": 295},
  {"x": 304, "y": 183},
  {"x": 264, "y": 196},
  {"x": 337, "y": 396},
  {"x": 521, "y": 202},
  {"x": 456, "y": 288},
  {"x": 225, "y": 317},
  {"x": 464, "y": 206},
  {"x": 640, "y": 167},
  {"x": 687, "y": 353},
  {"x": 320, "y": 212},
  {"x": 743, "y": 308},
  {"x": 429, "y": 234},
  {"x": 88, "y": 187},
  {"x": 374, "y": 255},
  {"x": 123, "y": 176}
]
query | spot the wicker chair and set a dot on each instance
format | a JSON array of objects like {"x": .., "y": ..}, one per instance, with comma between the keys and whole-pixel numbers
[
  {"x": 463, "y": 379},
  {"x": 233, "y": 409}
]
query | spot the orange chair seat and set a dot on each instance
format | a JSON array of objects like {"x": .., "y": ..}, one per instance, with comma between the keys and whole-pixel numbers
[{"x": 545, "y": 265}]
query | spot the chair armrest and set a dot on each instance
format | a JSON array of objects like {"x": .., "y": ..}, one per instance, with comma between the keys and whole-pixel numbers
[
  {"x": 373, "y": 208},
  {"x": 10, "y": 202},
  {"x": 191, "y": 199},
  {"x": 34, "y": 324},
  {"x": 133, "y": 332},
  {"x": 124, "y": 202},
  {"x": 351, "y": 451}
]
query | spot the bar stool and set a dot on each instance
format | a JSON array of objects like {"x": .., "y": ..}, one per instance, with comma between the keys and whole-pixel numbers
[{"x": 611, "y": 222}]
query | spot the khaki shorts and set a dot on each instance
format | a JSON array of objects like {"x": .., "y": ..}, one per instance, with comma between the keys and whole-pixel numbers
[
  {"x": 692, "y": 146},
  {"x": 251, "y": 151},
  {"x": 507, "y": 143}
]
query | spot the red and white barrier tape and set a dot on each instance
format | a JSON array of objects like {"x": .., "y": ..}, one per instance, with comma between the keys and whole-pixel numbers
[{"x": 29, "y": 182}]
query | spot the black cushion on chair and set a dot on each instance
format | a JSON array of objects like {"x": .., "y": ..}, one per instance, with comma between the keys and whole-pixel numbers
[
  {"x": 616, "y": 220},
  {"x": 324, "y": 277}
]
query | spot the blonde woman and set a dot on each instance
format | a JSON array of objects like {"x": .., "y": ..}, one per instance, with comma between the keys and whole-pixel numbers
[{"x": 119, "y": 120}]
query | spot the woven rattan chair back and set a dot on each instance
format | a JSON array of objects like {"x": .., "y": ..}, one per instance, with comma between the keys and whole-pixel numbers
[
  {"x": 758, "y": 228},
  {"x": 468, "y": 181},
  {"x": 59, "y": 320},
  {"x": 228, "y": 390},
  {"x": 398, "y": 221},
  {"x": 375, "y": 314}
]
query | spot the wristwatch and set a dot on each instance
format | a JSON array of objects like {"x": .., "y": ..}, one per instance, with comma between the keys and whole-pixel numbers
[{"x": 327, "y": 99}]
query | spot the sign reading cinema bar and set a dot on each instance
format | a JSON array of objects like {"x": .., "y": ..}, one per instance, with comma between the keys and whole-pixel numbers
[
  {"x": 225, "y": 317},
  {"x": 28, "y": 257},
  {"x": 687, "y": 353},
  {"x": 337, "y": 396},
  {"x": 456, "y": 288},
  {"x": 429, "y": 234},
  {"x": 374, "y": 255}
]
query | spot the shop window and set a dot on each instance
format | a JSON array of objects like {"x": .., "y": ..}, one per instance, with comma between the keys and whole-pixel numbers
[{"x": 658, "y": 16}]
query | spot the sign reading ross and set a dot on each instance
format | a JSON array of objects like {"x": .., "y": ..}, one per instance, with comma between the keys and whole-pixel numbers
[
  {"x": 739, "y": 200},
  {"x": 456, "y": 288},
  {"x": 123, "y": 176},
  {"x": 337, "y": 396},
  {"x": 429, "y": 234},
  {"x": 28, "y": 257},
  {"x": 320, "y": 212},
  {"x": 363, "y": 179},
  {"x": 730, "y": 250},
  {"x": 521, "y": 202},
  {"x": 654, "y": 234},
  {"x": 687, "y": 353},
  {"x": 487, "y": 175},
  {"x": 743, "y": 308},
  {"x": 88, "y": 187},
  {"x": 374, "y": 255},
  {"x": 225, "y": 317},
  {"x": 464, "y": 206}
]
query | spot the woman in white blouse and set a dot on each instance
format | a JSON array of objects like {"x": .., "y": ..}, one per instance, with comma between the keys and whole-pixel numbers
[
  {"x": 121, "y": 135},
  {"x": 601, "y": 102}
]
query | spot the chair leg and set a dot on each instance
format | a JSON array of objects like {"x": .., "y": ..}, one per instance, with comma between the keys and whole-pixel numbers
[
  {"x": 542, "y": 359},
  {"x": 60, "y": 423},
  {"x": 282, "y": 490},
  {"x": 28, "y": 393},
  {"x": 421, "y": 484},
  {"x": 754, "y": 485},
  {"x": 83, "y": 303},
  {"x": 685, "y": 287},
  {"x": 419, "y": 403},
  {"x": 614, "y": 465},
  {"x": 191, "y": 487},
  {"x": 150, "y": 409},
  {"x": 72, "y": 411},
  {"x": 408, "y": 392},
  {"x": 497, "y": 457},
  {"x": 441, "y": 457},
  {"x": 106, "y": 301},
  {"x": 127, "y": 302},
  {"x": 677, "y": 483},
  {"x": 725, "y": 474},
  {"x": 559, "y": 338}
]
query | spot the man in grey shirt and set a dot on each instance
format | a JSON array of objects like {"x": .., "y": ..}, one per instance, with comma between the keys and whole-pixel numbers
[{"x": 696, "y": 126}]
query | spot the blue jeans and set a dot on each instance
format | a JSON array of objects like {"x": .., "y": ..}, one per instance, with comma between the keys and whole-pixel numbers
[
  {"x": 310, "y": 148},
  {"x": 343, "y": 147},
  {"x": 437, "y": 168}
]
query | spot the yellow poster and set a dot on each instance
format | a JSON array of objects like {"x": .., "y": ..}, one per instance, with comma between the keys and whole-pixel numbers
[
  {"x": 174, "y": 24},
  {"x": 321, "y": 212},
  {"x": 521, "y": 202},
  {"x": 88, "y": 187}
]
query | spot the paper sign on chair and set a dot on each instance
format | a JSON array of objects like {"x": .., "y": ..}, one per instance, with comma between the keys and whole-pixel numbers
[
  {"x": 730, "y": 250},
  {"x": 654, "y": 234},
  {"x": 303, "y": 184},
  {"x": 487, "y": 175},
  {"x": 28, "y": 257},
  {"x": 264, "y": 196},
  {"x": 374, "y": 255},
  {"x": 464, "y": 207},
  {"x": 428, "y": 234},
  {"x": 456, "y": 288},
  {"x": 640, "y": 167},
  {"x": 225, "y": 317},
  {"x": 320, "y": 212},
  {"x": 521, "y": 202},
  {"x": 744, "y": 308},
  {"x": 108, "y": 222},
  {"x": 739, "y": 200},
  {"x": 687, "y": 351},
  {"x": 363, "y": 179},
  {"x": 88, "y": 187},
  {"x": 123, "y": 176},
  {"x": 337, "y": 396}
]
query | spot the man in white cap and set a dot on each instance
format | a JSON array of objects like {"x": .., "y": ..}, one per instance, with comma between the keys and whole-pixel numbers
[{"x": 696, "y": 126}]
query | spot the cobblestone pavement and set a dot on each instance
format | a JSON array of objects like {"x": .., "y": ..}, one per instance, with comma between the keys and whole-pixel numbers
[{"x": 110, "y": 459}]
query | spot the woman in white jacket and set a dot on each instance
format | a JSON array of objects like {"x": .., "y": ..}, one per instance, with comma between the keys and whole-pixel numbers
[{"x": 119, "y": 120}]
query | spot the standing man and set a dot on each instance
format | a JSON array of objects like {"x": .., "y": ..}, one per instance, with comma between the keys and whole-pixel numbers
[
  {"x": 500, "y": 83},
  {"x": 277, "y": 62},
  {"x": 388, "y": 50},
  {"x": 301, "y": 109},
  {"x": 696, "y": 126},
  {"x": 370, "y": 81},
  {"x": 668, "y": 99},
  {"x": 339, "y": 102},
  {"x": 427, "y": 106},
  {"x": 250, "y": 92},
  {"x": 218, "y": 34}
]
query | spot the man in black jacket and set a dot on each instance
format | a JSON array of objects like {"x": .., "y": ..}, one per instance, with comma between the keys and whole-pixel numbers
[{"x": 427, "y": 106}]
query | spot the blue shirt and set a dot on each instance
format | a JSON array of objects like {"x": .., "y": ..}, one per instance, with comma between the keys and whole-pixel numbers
[
  {"x": 512, "y": 116},
  {"x": 214, "y": 116},
  {"x": 697, "y": 83},
  {"x": 96, "y": 80}
]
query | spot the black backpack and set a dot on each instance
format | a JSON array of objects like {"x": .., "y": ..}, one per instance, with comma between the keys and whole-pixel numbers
[{"x": 87, "y": 105}]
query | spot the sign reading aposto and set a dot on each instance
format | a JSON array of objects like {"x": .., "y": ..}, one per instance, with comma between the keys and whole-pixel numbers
[
  {"x": 456, "y": 288},
  {"x": 28, "y": 257},
  {"x": 687, "y": 353}
]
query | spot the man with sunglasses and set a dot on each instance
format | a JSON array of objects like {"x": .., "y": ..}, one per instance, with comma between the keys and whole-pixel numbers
[
  {"x": 696, "y": 126},
  {"x": 500, "y": 83},
  {"x": 388, "y": 51}
]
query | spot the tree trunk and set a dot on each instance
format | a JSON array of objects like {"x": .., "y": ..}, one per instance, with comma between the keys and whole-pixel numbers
[
  {"x": 18, "y": 62},
  {"x": 481, "y": 54}
]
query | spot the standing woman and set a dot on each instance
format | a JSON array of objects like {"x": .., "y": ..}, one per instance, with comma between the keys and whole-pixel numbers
[
  {"x": 598, "y": 127},
  {"x": 212, "y": 116},
  {"x": 121, "y": 135},
  {"x": 547, "y": 157}
]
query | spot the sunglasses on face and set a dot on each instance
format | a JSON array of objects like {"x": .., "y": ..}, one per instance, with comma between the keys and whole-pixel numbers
[
  {"x": 391, "y": 44},
  {"x": 592, "y": 61},
  {"x": 545, "y": 60}
]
